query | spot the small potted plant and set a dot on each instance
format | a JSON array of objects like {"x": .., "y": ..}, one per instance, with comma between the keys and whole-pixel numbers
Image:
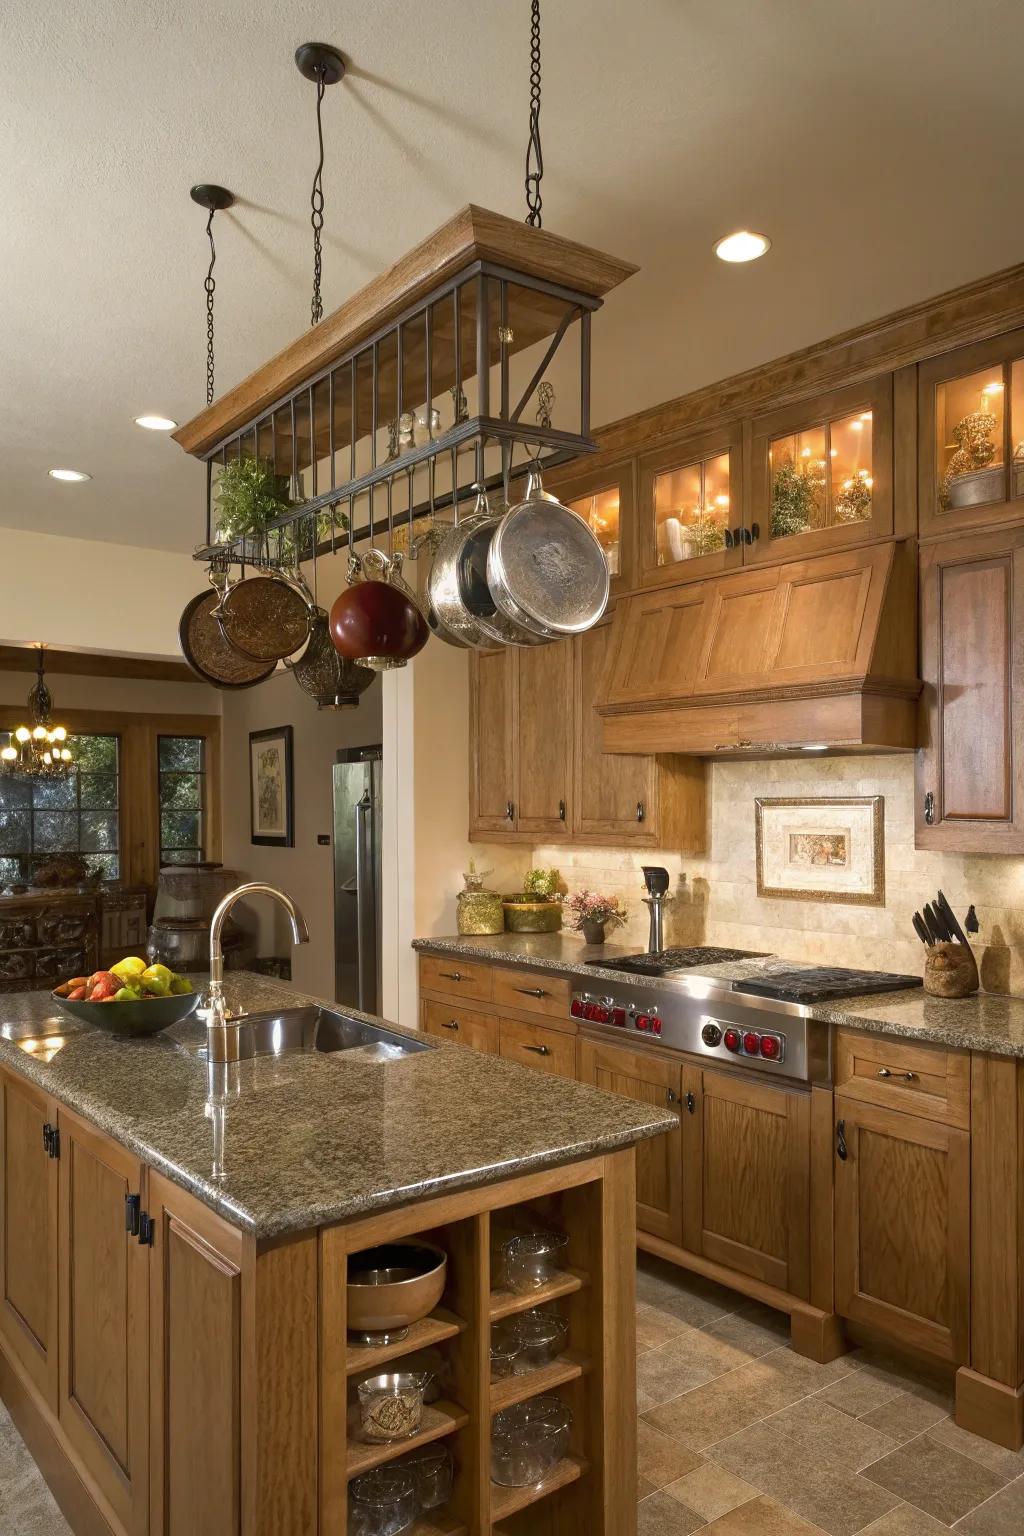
[
  {"x": 538, "y": 907},
  {"x": 590, "y": 913},
  {"x": 251, "y": 495}
]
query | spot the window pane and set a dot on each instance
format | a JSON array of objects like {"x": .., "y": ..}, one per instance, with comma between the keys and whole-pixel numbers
[
  {"x": 95, "y": 754},
  {"x": 850, "y": 458},
  {"x": 10, "y": 871},
  {"x": 181, "y": 753},
  {"x": 179, "y": 829},
  {"x": 59, "y": 795},
  {"x": 14, "y": 832},
  {"x": 181, "y": 792},
  {"x": 601, "y": 512},
  {"x": 969, "y": 439},
  {"x": 98, "y": 791},
  {"x": 797, "y": 464},
  {"x": 99, "y": 832},
  {"x": 181, "y": 856},
  {"x": 55, "y": 832},
  {"x": 14, "y": 795}
]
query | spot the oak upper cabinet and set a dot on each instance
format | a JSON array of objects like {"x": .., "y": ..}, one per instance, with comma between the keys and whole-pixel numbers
[
  {"x": 614, "y": 794},
  {"x": 746, "y": 1176},
  {"x": 902, "y": 1226},
  {"x": 821, "y": 474},
  {"x": 604, "y": 496},
  {"x": 971, "y": 436},
  {"x": 650, "y": 1079},
  {"x": 28, "y": 1233},
  {"x": 690, "y": 500},
  {"x": 104, "y": 1319},
  {"x": 970, "y": 769},
  {"x": 492, "y": 762},
  {"x": 543, "y": 730},
  {"x": 197, "y": 1353}
]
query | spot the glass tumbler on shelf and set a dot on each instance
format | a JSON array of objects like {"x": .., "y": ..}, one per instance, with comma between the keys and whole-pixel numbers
[
  {"x": 383, "y": 1502},
  {"x": 433, "y": 1470},
  {"x": 541, "y": 1336},
  {"x": 533, "y": 1259},
  {"x": 504, "y": 1349}
]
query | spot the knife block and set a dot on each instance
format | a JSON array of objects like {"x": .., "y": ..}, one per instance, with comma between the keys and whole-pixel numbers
[{"x": 950, "y": 970}]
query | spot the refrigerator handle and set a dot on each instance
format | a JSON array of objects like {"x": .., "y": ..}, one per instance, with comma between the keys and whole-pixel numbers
[{"x": 366, "y": 909}]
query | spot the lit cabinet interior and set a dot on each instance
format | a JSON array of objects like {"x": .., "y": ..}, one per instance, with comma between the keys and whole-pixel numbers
[
  {"x": 972, "y": 435},
  {"x": 822, "y": 476},
  {"x": 601, "y": 511},
  {"x": 692, "y": 511}
]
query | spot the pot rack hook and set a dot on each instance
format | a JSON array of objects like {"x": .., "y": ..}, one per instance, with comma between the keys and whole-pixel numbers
[
  {"x": 208, "y": 195},
  {"x": 324, "y": 65}
]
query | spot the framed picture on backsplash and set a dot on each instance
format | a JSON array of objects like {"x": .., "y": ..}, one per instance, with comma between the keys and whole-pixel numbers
[
  {"x": 271, "y": 792},
  {"x": 822, "y": 849}
]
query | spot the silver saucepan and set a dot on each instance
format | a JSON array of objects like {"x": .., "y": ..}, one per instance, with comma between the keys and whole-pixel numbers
[{"x": 546, "y": 570}]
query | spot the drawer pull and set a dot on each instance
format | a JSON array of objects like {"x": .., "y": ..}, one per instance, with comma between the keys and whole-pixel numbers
[
  {"x": 533, "y": 991},
  {"x": 538, "y": 1050},
  {"x": 450, "y": 975},
  {"x": 451, "y": 1024},
  {"x": 904, "y": 1077},
  {"x": 841, "y": 1150}
]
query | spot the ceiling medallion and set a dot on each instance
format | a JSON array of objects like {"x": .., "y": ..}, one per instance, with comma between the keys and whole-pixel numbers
[{"x": 38, "y": 750}]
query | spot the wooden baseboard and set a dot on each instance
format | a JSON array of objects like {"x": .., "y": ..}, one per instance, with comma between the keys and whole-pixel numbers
[
  {"x": 990, "y": 1409},
  {"x": 47, "y": 1451},
  {"x": 820, "y": 1336}
]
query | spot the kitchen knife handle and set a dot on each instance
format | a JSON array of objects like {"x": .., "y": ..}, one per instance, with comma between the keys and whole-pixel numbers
[
  {"x": 920, "y": 929},
  {"x": 950, "y": 917}
]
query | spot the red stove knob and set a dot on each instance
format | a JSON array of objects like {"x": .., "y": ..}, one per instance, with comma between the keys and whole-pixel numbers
[
  {"x": 731, "y": 1039},
  {"x": 655, "y": 1025},
  {"x": 770, "y": 1047},
  {"x": 601, "y": 1014},
  {"x": 643, "y": 1021},
  {"x": 751, "y": 1042},
  {"x": 576, "y": 1008},
  {"x": 618, "y": 1016}
]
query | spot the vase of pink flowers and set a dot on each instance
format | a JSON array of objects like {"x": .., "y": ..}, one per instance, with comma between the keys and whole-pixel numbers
[{"x": 590, "y": 913}]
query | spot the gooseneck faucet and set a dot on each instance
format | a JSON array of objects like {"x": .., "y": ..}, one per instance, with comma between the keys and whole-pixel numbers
[{"x": 222, "y": 1034}]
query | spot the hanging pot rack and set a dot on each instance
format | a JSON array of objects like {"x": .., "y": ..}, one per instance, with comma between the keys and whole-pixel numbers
[{"x": 461, "y": 304}]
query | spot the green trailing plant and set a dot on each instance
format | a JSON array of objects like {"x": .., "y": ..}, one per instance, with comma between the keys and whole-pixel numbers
[
  {"x": 251, "y": 495},
  {"x": 797, "y": 498}
]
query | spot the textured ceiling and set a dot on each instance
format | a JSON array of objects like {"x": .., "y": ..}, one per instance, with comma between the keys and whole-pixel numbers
[{"x": 877, "y": 142}]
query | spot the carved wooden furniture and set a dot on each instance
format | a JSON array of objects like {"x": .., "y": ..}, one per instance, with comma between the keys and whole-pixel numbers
[{"x": 45, "y": 937}]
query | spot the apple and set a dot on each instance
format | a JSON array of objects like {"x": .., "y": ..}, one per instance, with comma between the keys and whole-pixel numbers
[
  {"x": 129, "y": 968},
  {"x": 180, "y": 986},
  {"x": 157, "y": 973},
  {"x": 127, "y": 995}
]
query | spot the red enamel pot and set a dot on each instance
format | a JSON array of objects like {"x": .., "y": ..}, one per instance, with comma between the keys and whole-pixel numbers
[{"x": 377, "y": 625}]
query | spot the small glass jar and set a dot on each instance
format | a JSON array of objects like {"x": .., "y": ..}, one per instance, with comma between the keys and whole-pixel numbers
[
  {"x": 541, "y": 1338},
  {"x": 528, "y": 1440},
  {"x": 383, "y": 1502},
  {"x": 533, "y": 1259},
  {"x": 432, "y": 1468},
  {"x": 504, "y": 1349},
  {"x": 391, "y": 1406}
]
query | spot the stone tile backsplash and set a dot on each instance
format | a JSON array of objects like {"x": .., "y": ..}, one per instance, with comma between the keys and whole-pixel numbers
[{"x": 716, "y": 899}]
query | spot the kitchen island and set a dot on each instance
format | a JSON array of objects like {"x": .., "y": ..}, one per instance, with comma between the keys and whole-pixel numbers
[{"x": 173, "y": 1252}]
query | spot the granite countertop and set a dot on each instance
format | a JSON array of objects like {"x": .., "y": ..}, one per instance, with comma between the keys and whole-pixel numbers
[
  {"x": 310, "y": 1139},
  {"x": 985, "y": 1022}
]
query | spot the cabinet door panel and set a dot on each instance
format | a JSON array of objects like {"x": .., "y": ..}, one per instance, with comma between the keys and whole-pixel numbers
[
  {"x": 544, "y": 738},
  {"x": 103, "y": 1319},
  {"x": 903, "y": 1227},
  {"x": 614, "y": 792},
  {"x": 28, "y": 1234},
  {"x": 492, "y": 767},
  {"x": 659, "y": 1167},
  {"x": 746, "y": 1171},
  {"x": 972, "y": 651}
]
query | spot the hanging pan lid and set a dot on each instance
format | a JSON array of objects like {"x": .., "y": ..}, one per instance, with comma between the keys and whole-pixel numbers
[
  {"x": 266, "y": 617},
  {"x": 546, "y": 566},
  {"x": 208, "y": 653}
]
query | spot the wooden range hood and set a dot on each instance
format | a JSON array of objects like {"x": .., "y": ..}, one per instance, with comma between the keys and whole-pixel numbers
[{"x": 816, "y": 652}]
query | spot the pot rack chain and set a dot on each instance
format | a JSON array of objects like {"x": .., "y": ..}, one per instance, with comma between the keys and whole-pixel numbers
[
  {"x": 534, "y": 153},
  {"x": 211, "y": 287},
  {"x": 316, "y": 204}
]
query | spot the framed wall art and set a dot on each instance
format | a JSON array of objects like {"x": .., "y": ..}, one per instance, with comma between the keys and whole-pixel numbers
[
  {"x": 271, "y": 788},
  {"x": 822, "y": 849}
]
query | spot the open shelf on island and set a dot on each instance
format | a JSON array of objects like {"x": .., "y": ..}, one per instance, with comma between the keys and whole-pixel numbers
[
  {"x": 437, "y": 1524},
  {"x": 429, "y": 1330},
  {"x": 504, "y": 1303},
  {"x": 508, "y": 1501},
  {"x": 439, "y": 1419},
  {"x": 516, "y": 1389}
]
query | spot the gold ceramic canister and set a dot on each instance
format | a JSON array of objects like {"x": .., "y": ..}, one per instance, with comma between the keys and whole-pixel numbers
[{"x": 532, "y": 916}]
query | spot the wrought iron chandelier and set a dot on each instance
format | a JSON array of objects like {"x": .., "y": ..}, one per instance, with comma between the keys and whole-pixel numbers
[{"x": 38, "y": 750}]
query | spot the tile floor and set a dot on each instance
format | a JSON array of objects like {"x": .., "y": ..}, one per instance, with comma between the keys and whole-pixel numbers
[{"x": 740, "y": 1437}]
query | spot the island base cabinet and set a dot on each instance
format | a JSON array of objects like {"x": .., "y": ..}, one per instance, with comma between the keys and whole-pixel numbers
[
  {"x": 902, "y": 1242},
  {"x": 103, "y": 1273},
  {"x": 28, "y": 1234}
]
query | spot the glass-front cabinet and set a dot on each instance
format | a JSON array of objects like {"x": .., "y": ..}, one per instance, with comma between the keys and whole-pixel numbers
[
  {"x": 690, "y": 501},
  {"x": 971, "y": 411},
  {"x": 821, "y": 474},
  {"x": 603, "y": 495}
]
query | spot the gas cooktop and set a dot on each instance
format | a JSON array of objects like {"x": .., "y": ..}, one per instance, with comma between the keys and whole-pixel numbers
[
  {"x": 819, "y": 983},
  {"x": 667, "y": 961}
]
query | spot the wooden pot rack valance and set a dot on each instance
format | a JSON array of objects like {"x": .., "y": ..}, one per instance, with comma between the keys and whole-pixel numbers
[{"x": 480, "y": 290}]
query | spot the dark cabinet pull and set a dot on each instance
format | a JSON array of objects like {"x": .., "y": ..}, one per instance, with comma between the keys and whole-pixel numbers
[
  {"x": 561, "y": 810},
  {"x": 132, "y": 1214},
  {"x": 51, "y": 1140},
  {"x": 47, "y": 1133},
  {"x": 538, "y": 1050},
  {"x": 929, "y": 809},
  {"x": 451, "y": 1024},
  {"x": 755, "y": 533},
  {"x": 532, "y": 991},
  {"x": 450, "y": 975},
  {"x": 841, "y": 1151},
  {"x": 639, "y": 810},
  {"x": 510, "y": 811},
  {"x": 147, "y": 1227},
  {"x": 671, "y": 1096},
  {"x": 737, "y": 537},
  {"x": 691, "y": 1104},
  {"x": 727, "y": 538}
]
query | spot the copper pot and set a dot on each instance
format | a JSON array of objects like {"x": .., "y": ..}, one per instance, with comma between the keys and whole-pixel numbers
[{"x": 378, "y": 624}]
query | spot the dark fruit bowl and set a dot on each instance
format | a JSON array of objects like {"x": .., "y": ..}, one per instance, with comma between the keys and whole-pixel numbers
[{"x": 148, "y": 1016}]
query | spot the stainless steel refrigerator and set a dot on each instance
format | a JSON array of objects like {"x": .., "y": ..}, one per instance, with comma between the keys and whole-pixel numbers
[{"x": 357, "y": 833}]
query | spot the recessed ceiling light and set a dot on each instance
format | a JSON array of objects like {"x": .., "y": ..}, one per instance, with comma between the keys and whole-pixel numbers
[
  {"x": 69, "y": 474},
  {"x": 156, "y": 423},
  {"x": 744, "y": 245}
]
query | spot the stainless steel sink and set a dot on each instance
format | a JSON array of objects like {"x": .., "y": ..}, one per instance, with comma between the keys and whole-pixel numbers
[{"x": 282, "y": 1031}]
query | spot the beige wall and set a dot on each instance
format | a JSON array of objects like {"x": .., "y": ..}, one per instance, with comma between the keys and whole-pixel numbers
[
  {"x": 716, "y": 897},
  {"x": 120, "y": 693},
  {"x": 306, "y": 871}
]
